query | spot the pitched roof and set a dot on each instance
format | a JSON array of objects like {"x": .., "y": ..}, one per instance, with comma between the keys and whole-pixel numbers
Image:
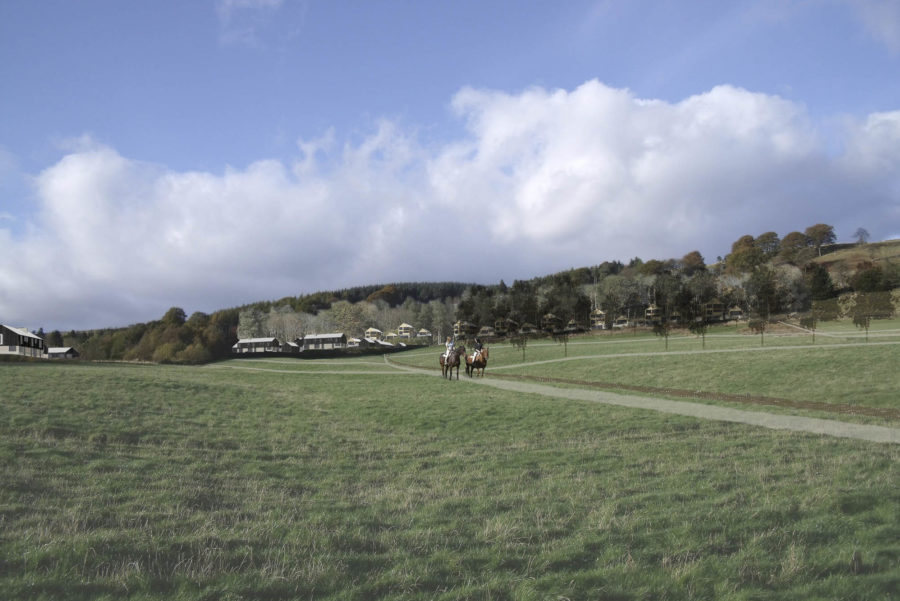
[{"x": 22, "y": 332}]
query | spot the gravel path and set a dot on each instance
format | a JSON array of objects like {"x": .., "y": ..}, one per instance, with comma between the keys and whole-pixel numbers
[{"x": 755, "y": 418}]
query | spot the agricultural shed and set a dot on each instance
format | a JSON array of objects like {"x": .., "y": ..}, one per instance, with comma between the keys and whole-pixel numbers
[
  {"x": 324, "y": 341},
  {"x": 19, "y": 341},
  {"x": 62, "y": 352},
  {"x": 256, "y": 345}
]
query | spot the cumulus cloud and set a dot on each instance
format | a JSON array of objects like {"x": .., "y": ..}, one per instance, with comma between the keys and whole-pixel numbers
[{"x": 537, "y": 181}]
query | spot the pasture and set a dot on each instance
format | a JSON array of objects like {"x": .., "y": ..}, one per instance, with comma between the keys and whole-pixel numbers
[{"x": 352, "y": 479}]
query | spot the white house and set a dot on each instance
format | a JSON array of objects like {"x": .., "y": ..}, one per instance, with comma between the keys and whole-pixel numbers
[
  {"x": 19, "y": 341},
  {"x": 256, "y": 345},
  {"x": 318, "y": 342}
]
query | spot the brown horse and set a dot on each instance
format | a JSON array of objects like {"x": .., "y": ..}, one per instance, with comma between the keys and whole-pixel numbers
[
  {"x": 479, "y": 362},
  {"x": 451, "y": 362}
]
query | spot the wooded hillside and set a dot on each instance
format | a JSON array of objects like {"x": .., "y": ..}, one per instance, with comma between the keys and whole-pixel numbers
[{"x": 763, "y": 275}]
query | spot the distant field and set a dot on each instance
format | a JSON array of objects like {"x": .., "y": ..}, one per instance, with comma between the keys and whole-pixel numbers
[
  {"x": 222, "y": 482},
  {"x": 839, "y": 368}
]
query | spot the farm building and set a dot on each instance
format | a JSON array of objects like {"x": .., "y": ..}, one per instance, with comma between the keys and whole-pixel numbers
[
  {"x": 319, "y": 342},
  {"x": 291, "y": 347},
  {"x": 256, "y": 345},
  {"x": 62, "y": 352},
  {"x": 19, "y": 341}
]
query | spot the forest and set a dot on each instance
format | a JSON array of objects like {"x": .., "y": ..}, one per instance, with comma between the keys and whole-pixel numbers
[{"x": 763, "y": 275}]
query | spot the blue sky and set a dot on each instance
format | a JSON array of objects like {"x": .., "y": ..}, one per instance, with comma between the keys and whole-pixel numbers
[{"x": 208, "y": 154}]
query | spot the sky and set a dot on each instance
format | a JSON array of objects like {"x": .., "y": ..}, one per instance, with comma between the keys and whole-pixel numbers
[{"x": 214, "y": 153}]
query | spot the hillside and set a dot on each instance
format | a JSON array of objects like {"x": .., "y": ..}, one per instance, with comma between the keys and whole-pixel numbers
[{"x": 762, "y": 276}]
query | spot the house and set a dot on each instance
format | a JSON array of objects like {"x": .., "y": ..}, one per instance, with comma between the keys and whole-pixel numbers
[
  {"x": 292, "y": 347},
  {"x": 374, "y": 333},
  {"x": 714, "y": 310},
  {"x": 464, "y": 329},
  {"x": 19, "y": 341},
  {"x": 505, "y": 325},
  {"x": 404, "y": 330},
  {"x": 256, "y": 345},
  {"x": 423, "y": 333},
  {"x": 62, "y": 352},
  {"x": 320, "y": 342},
  {"x": 653, "y": 314},
  {"x": 551, "y": 323},
  {"x": 390, "y": 336},
  {"x": 573, "y": 327},
  {"x": 598, "y": 319},
  {"x": 735, "y": 313},
  {"x": 353, "y": 342},
  {"x": 528, "y": 328},
  {"x": 486, "y": 332},
  {"x": 621, "y": 322}
]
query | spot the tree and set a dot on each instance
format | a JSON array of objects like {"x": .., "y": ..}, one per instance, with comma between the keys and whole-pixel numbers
[
  {"x": 861, "y": 235},
  {"x": 769, "y": 245},
  {"x": 819, "y": 282},
  {"x": 174, "y": 316},
  {"x": 819, "y": 235},
  {"x": 745, "y": 255},
  {"x": 869, "y": 279},
  {"x": 869, "y": 305},
  {"x": 794, "y": 248},
  {"x": 519, "y": 341},
  {"x": 700, "y": 290},
  {"x": 692, "y": 263},
  {"x": 762, "y": 293}
]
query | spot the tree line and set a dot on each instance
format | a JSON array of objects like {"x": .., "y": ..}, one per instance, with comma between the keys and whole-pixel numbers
[{"x": 763, "y": 275}]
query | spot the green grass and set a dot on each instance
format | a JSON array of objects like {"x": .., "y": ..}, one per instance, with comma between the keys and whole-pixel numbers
[
  {"x": 835, "y": 369},
  {"x": 152, "y": 482}
]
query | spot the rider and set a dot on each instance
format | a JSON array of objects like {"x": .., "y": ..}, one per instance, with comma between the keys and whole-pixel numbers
[
  {"x": 478, "y": 348},
  {"x": 449, "y": 344}
]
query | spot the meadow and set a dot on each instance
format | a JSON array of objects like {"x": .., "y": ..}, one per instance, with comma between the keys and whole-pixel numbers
[{"x": 348, "y": 479}]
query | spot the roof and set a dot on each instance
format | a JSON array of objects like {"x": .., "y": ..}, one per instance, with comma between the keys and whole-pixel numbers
[
  {"x": 254, "y": 340},
  {"x": 21, "y": 332},
  {"x": 59, "y": 349},
  {"x": 323, "y": 336},
  {"x": 373, "y": 330},
  {"x": 404, "y": 325}
]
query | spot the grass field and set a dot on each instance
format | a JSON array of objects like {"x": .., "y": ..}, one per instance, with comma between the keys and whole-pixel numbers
[
  {"x": 839, "y": 368},
  {"x": 286, "y": 479}
]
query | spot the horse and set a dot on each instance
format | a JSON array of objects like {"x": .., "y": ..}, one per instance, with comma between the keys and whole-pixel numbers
[
  {"x": 479, "y": 362},
  {"x": 451, "y": 362}
]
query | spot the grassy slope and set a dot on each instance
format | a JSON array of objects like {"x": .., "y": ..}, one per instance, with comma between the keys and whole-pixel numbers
[{"x": 194, "y": 483}]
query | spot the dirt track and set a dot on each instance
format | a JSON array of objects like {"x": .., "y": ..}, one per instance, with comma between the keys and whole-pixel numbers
[{"x": 812, "y": 425}]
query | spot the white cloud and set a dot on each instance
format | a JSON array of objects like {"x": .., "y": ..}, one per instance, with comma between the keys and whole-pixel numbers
[
  {"x": 881, "y": 19},
  {"x": 540, "y": 181}
]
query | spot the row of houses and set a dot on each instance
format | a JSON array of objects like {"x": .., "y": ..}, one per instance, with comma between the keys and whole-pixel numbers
[
  {"x": 21, "y": 342},
  {"x": 404, "y": 331},
  {"x": 310, "y": 342}
]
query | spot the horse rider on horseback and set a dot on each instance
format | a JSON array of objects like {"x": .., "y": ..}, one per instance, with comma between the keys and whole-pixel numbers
[
  {"x": 478, "y": 347},
  {"x": 449, "y": 350}
]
